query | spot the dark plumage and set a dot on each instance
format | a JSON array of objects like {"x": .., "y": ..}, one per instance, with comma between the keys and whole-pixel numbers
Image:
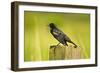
[{"x": 59, "y": 35}]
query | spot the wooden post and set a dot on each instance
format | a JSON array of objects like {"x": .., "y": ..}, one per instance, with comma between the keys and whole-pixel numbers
[{"x": 65, "y": 52}]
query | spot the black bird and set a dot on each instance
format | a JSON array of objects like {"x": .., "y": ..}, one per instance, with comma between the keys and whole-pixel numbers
[{"x": 60, "y": 36}]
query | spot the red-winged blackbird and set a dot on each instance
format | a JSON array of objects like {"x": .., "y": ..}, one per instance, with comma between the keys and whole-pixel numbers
[{"x": 59, "y": 35}]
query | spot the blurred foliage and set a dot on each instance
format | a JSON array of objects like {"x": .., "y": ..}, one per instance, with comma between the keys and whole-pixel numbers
[{"x": 38, "y": 39}]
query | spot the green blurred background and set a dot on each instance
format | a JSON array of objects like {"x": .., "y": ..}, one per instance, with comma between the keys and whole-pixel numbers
[{"x": 38, "y": 39}]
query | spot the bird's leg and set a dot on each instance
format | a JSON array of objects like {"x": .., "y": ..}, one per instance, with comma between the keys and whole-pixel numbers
[
  {"x": 57, "y": 44},
  {"x": 55, "y": 48},
  {"x": 66, "y": 44}
]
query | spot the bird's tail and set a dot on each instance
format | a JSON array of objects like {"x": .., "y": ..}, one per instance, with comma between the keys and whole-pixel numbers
[{"x": 73, "y": 44}]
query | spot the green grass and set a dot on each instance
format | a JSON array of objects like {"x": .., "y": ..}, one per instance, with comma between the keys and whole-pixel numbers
[{"x": 38, "y": 39}]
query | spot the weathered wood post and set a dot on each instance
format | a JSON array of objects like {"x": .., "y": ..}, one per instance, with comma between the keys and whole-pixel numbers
[{"x": 65, "y": 52}]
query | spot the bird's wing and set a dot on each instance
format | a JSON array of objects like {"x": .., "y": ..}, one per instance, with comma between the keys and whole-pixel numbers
[
  {"x": 56, "y": 32},
  {"x": 66, "y": 38}
]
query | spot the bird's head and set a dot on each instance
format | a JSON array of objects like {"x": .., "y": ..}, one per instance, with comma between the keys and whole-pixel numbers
[{"x": 52, "y": 25}]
